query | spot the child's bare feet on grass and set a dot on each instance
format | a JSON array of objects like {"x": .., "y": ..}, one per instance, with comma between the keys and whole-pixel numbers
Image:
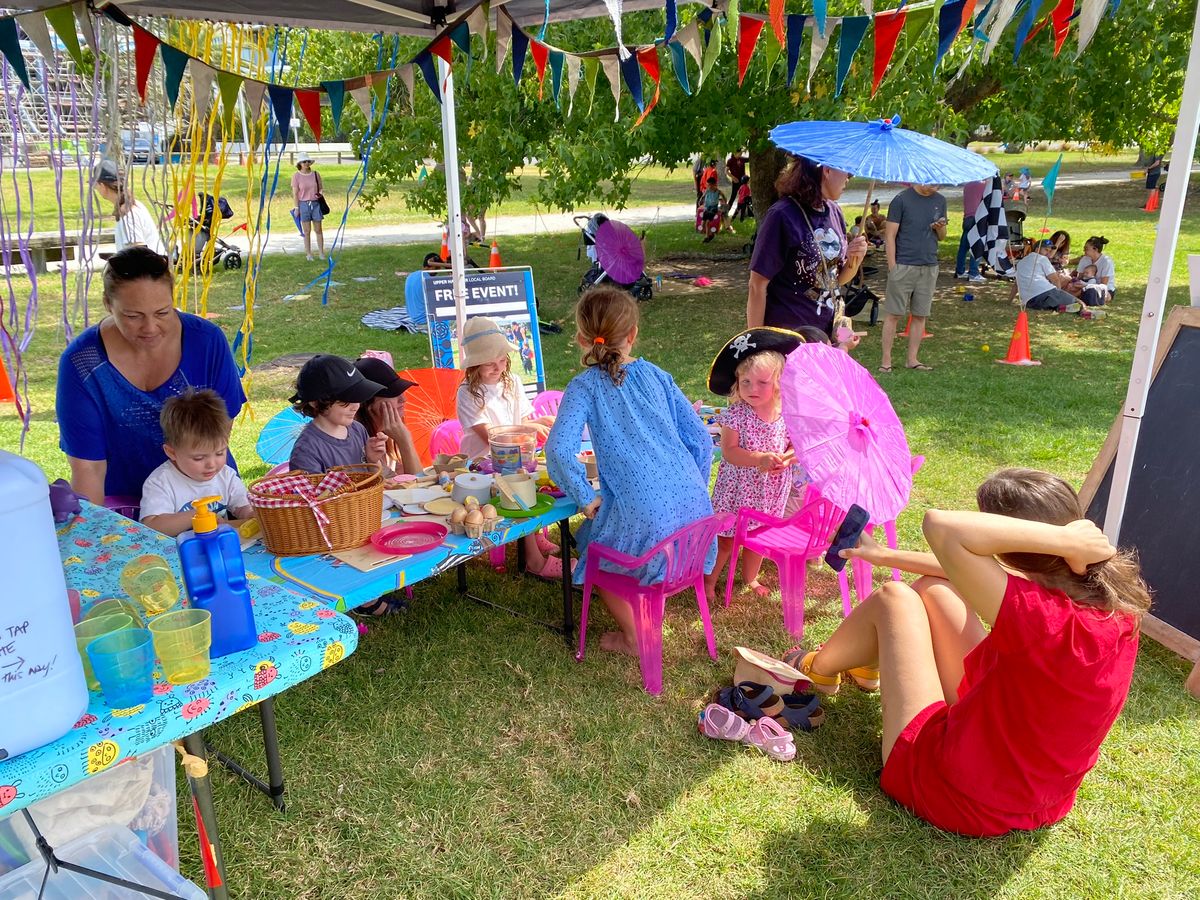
[
  {"x": 616, "y": 642},
  {"x": 759, "y": 589}
]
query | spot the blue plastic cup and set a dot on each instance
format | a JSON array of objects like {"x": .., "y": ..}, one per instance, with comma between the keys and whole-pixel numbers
[{"x": 124, "y": 665}]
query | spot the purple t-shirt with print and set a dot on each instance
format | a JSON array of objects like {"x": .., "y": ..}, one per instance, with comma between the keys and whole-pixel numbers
[{"x": 792, "y": 256}]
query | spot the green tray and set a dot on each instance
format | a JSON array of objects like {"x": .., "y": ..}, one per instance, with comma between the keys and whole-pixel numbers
[{"x": 540, "y": 506}]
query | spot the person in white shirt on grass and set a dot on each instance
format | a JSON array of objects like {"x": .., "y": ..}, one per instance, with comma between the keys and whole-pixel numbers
[
  {"x": 135, "y": 225},
  {"x": 1040, "y": 286},
  {"x": 1106, "y": 271}
]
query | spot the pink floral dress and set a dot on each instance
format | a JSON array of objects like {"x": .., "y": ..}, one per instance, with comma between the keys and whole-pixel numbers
[{"x": 739, "y": 486}]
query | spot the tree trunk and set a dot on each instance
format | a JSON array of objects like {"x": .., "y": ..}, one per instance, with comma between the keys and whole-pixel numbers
[{"x": 766, "y": 162}]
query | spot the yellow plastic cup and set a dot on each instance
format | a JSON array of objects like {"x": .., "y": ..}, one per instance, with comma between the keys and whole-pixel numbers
[
  {"x": 90, "y": 629},
  {"x": 150, "y": 581},
  {"x": 115, "y": 606},
  {"x": 181, "y": 642}
]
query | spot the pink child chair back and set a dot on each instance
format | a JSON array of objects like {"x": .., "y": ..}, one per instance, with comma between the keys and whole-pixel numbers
[
  {"x": 446, "y": 438},
  {"x": 379, "y": 354},
  {"x": 546, "y": 403}
]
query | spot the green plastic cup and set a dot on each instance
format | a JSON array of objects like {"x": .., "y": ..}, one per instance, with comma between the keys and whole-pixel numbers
[
  {"x": 90, "y": 629},
  {"x": 114, "y": 606},
  {"x": 181, "y": 641}
]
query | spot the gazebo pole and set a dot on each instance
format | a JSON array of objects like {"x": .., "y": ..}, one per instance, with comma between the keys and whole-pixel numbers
[{"x": 453, "y": 198}]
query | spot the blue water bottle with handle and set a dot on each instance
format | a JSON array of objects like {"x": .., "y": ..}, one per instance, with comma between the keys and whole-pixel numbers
[{"x": 210, "y": 557}]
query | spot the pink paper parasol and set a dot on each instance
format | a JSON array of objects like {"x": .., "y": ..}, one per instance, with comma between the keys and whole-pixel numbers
[
  {"x": 619, "y": 252},
  {"x": 845, "y": 432}
]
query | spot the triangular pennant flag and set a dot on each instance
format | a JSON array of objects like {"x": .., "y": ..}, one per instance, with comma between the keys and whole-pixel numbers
[
  {"x": 255, "y": 90},
  {"x": 775, "y": 10},
  {"x": 1062, "y": 23},
  {"x": 145, "y": 46},
  {"x": 503, "y": 36},
  {"x": 632, "y": 73},
  {"x": 887, "y": 32},
  {"x": 1090, "y": 13},
  {"x": 819, "y": 43},
  {"x": 949, "y": 25},
  {"x": 774, "y": 48},
  {"x": 557, "y": 58},
  {"x": 378, "y": 82},
  {"x": 202, "y": 86},
  {"x": 309, "y": 102},
  {"x": 591, "y": 67},
  {"x": 612, "y": 71},
  {"x": 520, "y": 44},
  {"x": 461, "y": 35},
  {"x": 35, "y": 28},
  {"x": 854, "y": 29},
  {"x": 442, "y": 49},
  {"x": 228, "y": 84},
  {"x": 1114, "y": 5},
  {"x": 405, "y": 74},
  {"x": 62, "y": 20},
  {"x": 10, "y": 46},
  {"x": 679, "y": 65},
  {"x": 281, "y": 103},
  {"x": 477, "y": 23},
  {"x": 424, "y": 62},
  {"x": 572, "y": 64},
  {"x": 968, "y": 13},
  {"x": 821, "y": 15},
  {"x": 672, "y": 21},
  {"x": 541, "y": 55},
  {"x": 337, "y": 99},
  {"x": 174, "y": 62},
  {"x": 749, "y": 28},
  {"x": 83, "y": 21},
  {"x": 362, "y": 96},
  {"x": 689, "y": 39},
  {"x": 1050, "y": 182},
  {"x": 712, "y": 51},
  {"x": 732, "y": 14},
  {"x": 648, "y": 58},
  {"x": 918, "y": 20},
  {"x": 1002, "y": 14},
  {"x": 795, "y": 34},
  {"x": 868, "y": 7},
  {"x": 1023, "y": 29}
]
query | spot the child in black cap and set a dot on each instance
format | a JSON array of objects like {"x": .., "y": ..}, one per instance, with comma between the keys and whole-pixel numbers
[{"x": 329, "y": 390}]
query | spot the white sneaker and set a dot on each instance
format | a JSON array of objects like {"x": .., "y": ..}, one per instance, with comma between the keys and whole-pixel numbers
[
  {"x": 977, "y": 279},
  {"x": 309, "y": 258},
  {"x": 959, "y": 275}
]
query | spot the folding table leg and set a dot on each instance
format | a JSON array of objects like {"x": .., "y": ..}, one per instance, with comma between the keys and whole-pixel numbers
[
  {"x": 564, "y": 539},
  {"x": 206, "y": 821},
  {"x": 266, "y": 712}
]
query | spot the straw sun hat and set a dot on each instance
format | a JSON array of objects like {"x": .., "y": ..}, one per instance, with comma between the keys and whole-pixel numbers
[{"x": 482, "y": 342}]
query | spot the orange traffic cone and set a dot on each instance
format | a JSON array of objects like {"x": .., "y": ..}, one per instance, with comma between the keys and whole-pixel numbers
[
  {"x": 444, "y": 253},
  {"x": 1018, "y": 347},
  {"x": 494, "y": 260},
  {"x": 1151, "y": 202},
  {"x": 908, "y": 325},
  {"x": 6, "y": 387}
]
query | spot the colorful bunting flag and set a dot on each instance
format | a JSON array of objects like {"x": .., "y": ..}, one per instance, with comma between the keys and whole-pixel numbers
[
  {"x": 732, "y": 14},
  {"x": 461, "y": 35},
  {"x": 309, "y": 102},
  {"x": 1062, "y": 23},
  {"x": 62, "y": 20},
  {"x": 591, "y": 67},
  {"x": 85, "y": 26},
  {"x": 1026, "y": 24},
  {"x": 712, "y": 50},
  {"x": 749, "y": 28},
  {"x": 281, "y": 105},
  {"x": 775, "y": 10},
  {"x": 819, "y": 42},
  {"x": 228, "y": 85},
  {"x": 202, "y": 87},
  {"x": 424, "y": 62},
  {"x": 689, "y": 40},
  {"x": 648, "y": 57},
  {"x": 557, "y": 58},
  {"x": 774, "y": 48},
  {"x": 504, "y": 31},
  {"x": 477, "y": 23},
  {"x": 378, "y": 82},
  {"x": 441, "y": 48},
  {"x": 407, "y": 78},
  {"x": 1090, "y": 14},
  {"x": 362, "y": 97},
  {"x": 968, "y": 13},
  {"x": 1050, "y": 182},
  {"x": 795, "y": 34},
  {"x": 994, "y": 25},
  {"x": 632, "y": 74},
  {"x": 821, "y": 16},
  {"x": 854, "y": 29},
  {"x": 255, "y": 91},
  {"x": 145, "y": 46},
  {"x": 572, "y": 64},
  {"x": 337, "y": 99},
  {"x": 541, "y": 56},
  {"x": 672, "y": 21},
  {"x": 174, "y": 62},
  {"x": 35, "y": 28},
  {"x": 950, "y": 23},
  {"x": 887, "y": 32},
  {"x": 520, "y": 44},
  {"x": 611, "y": 65},
  {"x": 679, "y": 66},
  {"x": 10, "y": 46}
]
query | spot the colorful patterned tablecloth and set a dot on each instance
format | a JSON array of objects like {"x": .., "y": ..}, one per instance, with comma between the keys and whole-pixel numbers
[
  {"x": 345, "y": 587},
  {"x": 298, "y": 637}
]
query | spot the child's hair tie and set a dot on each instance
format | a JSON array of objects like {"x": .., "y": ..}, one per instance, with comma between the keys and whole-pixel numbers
[{"x": 597, "y": 340}]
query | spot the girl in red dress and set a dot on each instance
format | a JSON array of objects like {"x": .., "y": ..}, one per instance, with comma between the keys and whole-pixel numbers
[{"x": 989, "y": 731}]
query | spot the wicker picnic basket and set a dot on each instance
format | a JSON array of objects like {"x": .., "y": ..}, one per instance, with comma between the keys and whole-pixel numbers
[{"x": 355, "y": 513}]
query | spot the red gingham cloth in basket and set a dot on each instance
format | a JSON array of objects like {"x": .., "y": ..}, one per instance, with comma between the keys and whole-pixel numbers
[{"x": 313, "y": 496}]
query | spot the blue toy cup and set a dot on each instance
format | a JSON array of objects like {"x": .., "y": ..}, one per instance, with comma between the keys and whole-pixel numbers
[
  {"x": 967, "y": 298},
  {"x": 124, "y": 665}
]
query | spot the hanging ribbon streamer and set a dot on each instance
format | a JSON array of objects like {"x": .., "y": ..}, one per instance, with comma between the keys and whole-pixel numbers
[
  {"x": 648, "y": 58},
  {"x": 748, "y": 31},
  {"x": 795, "y": 35},
  {"x": 614, "y": 13},
  {"x": 679, "y": 66},
  {"x": 887, "y": 32},
  {"x": 545, "y": 22},
  {"x": 854, "y": 29}
]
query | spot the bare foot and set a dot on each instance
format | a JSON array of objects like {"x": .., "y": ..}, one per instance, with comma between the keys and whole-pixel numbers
[
  {"x": 760, "y": 590},
  {"x": 710, "y": 587},
  {"x": 616, "y": 642}
]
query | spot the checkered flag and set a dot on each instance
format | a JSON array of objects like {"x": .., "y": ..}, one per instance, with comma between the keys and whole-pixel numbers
[{"x": 987, "y": 231}]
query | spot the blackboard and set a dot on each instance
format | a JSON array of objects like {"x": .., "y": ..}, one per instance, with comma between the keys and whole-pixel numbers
[{"x": 1162, "y": 510}]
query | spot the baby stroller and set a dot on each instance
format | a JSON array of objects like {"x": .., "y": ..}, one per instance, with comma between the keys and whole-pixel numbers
[
  {"x": 224, "y": 253},
  {"x": 616, "y": 254}
]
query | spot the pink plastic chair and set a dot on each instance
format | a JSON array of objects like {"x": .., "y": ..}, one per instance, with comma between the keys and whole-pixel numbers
[
  {"x": 685, "y": 551},
  {"x": 446, "y": 438},
  {"x": 790, "y": 544},
  {"x": 546, "y": 403}
]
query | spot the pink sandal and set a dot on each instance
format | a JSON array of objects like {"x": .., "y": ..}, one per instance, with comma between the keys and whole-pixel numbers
[
  {"x": 552, "y": 569},
  {"x": 722, "y": 724},
  {"x": 772, "y": 739},
  {"x": 766, "y": 734},
  {"x": 545, "y": 545}
]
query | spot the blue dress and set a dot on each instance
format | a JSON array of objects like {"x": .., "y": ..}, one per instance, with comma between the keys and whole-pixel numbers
[{"x": 653, "y": 454}]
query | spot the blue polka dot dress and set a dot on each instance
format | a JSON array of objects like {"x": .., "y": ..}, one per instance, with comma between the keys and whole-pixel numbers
[{"x": 653, "y": 454}]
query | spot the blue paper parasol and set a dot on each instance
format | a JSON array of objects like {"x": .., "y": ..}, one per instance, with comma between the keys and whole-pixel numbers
[
  {"x": 883, "y": 151},
  {"x": 277, "y": 437}
]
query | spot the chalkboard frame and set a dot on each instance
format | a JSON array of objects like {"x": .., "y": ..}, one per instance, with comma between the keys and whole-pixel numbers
[{"x": 1186, "y": 645}]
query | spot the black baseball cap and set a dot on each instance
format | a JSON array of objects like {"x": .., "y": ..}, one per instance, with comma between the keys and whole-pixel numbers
[
  {"x": 378, "y": 371},
  {"x": 327, "y": 377},
  {"x": 108, "y": 173}
]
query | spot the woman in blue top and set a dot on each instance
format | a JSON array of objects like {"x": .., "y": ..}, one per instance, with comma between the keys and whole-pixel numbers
[
  {"x": 652, "y": 451},
  {"x": 114, "y": 377}
]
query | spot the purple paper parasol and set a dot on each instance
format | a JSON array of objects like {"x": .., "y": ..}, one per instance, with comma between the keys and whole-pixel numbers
[{"x": 619, "y": 252}]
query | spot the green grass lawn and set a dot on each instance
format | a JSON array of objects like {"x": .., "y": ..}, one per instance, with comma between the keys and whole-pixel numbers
[{"x": 464, "y": 753}]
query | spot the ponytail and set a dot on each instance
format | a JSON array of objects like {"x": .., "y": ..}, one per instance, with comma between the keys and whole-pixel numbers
[
  {"x": 605, "y": 357},
  {"x": 604, "y": 318}
]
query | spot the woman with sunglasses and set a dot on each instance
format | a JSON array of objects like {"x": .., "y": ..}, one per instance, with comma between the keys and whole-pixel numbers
[
  {"x": 802, "y": 254},
  {"x": 306, "y": 194},
  {"x": 115, "y": 376}
]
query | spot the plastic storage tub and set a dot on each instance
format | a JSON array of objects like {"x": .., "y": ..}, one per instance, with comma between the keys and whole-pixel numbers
[{"x": 112, "y": 850}]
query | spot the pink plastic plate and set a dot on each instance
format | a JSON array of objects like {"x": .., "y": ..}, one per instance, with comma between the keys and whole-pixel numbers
[{"x": 409, "y": 537}]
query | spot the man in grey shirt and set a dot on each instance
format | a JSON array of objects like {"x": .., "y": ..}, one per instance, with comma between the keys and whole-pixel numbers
[{"x": 916, "y": 222}]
